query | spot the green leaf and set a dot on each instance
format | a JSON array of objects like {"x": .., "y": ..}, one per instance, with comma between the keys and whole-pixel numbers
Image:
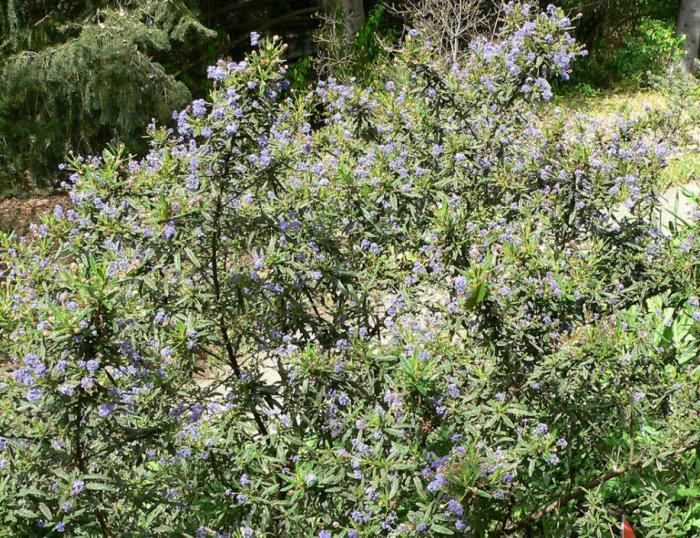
[
  {"x": 441, "y": 529},
  {"x": 100, "y": 486},
  {"x": 26, "y": 513},
  {"x": 45, "y": 510}
]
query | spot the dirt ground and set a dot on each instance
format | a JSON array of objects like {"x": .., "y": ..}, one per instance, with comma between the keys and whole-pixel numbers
[{"x": 19, "y": 214}]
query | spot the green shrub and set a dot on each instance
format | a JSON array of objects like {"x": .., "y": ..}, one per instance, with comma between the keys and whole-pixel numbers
[
  {"x": 627, "y": 57},
  {"x": 417, "y": 308}
]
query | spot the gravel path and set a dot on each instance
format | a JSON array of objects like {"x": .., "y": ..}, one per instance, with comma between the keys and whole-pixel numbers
[{"x": 677, "y": 203}]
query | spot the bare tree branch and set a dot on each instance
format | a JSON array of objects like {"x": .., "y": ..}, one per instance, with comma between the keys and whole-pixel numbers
[{"x": 450, "y": 24}]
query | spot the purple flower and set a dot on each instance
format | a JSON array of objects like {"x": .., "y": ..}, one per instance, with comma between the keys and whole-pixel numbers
[
  {"x": 254, "y": 39},
  {"x": 77, "y": 487},
  {"x": 104, "y": 410},
  {"x": 310, "y": 479},
  {"x": 66, "y": 389},
  {"x": 455, "y": 507},
  {"x": 439, "y": 482},
  {"x": 541, "y": 429},
  {"x": 216, "y": 72},
  {"x": 461, "y": 285},
  {"x": 545, "y": 89},
  {"x": 192, "y": 182},
  {"x": 169, "y": 230},
  {"x": 34, "y": 394},
  {"x": 199, "y": 108}
]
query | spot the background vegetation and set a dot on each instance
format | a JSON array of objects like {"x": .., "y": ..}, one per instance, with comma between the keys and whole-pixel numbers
[{"x": 77, "y": 74}]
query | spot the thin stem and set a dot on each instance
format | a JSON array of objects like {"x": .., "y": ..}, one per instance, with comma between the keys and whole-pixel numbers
[
  {"x": 535, "y": 516},
  {"x": 228, "y": 345}
]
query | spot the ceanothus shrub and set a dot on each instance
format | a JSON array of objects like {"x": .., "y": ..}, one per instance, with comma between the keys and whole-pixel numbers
[{"x": 428, "y": 307}]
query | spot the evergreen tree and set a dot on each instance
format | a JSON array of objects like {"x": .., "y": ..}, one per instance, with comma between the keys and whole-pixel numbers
[
  {"x": 77, "y": 74},
  {"x": 83, "y": 73}
]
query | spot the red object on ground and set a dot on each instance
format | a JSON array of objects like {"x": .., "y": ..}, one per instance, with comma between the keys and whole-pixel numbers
[{"x": 627, "y": 530}]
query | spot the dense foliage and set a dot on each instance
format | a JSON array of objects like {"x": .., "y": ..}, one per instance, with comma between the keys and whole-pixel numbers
[
  {"x": 628, "y": 41},
  {"x": 415, "y": 308},
  {"x": 78, "y": 74}
]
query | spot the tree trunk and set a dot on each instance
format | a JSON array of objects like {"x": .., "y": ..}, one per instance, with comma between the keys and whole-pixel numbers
[
  {"x": 354, "y": 11},
  {"x": 689, "y": 26}
]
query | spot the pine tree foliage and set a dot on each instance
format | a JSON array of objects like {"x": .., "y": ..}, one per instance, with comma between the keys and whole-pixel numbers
[
  {"x": 83, "y": 75},
  {"x": 78, "y": 74}
]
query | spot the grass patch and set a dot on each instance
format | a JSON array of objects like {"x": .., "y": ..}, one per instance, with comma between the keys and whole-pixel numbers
[
  {"x": 683, "y": 169},
  {"x": 604, "y": 104}
]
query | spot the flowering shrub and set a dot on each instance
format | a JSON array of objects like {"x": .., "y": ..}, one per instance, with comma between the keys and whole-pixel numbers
[{"x": 419, "y": 308}]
